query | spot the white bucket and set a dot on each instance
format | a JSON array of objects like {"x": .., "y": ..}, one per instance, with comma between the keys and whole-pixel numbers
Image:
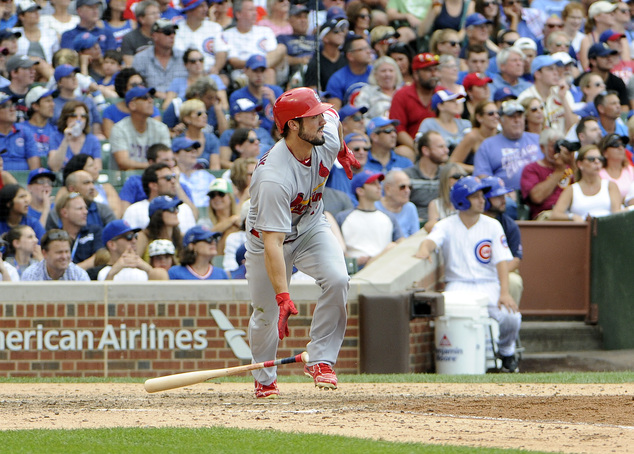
[{"x": 461, "y": 334}]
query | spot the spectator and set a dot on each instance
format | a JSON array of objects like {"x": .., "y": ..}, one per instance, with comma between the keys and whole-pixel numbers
[
  {"x": 61, "y": 20},
  {"x": 163, "y": 212},
  {"x": 114, "y": 21},
  {"x": 409, "y": 14},
  {"x": 476, "y": 28},
  {"x": 485, "y": 123},
  {"x": 40, "y": 186},
  {"x": 553, "y": 92},
  {"x": 600, "y": 19},
  {"x": 456, "y": 237},
  {"x": 529, "y": 22},
  {"x": 495, "y": 208},
  {"x": 588, "y": 131},
  {"x": 244, "y": 115},
  {"x": 491, "y": 11},
  {"x": 196, "y": 179},
  {"x": 601, "y": 61},
  {"x": 131, "y": 137},
  {"x": 85, "y": 238},
  {"x": 300, "y": 46},
  {"x": 89, "y": 12},
  {"x": 158, "y": 180},
  {"x": 23, "y": 249},
  {"x": 82, "y": 182},
  {"x": 106, "y": 193},
  {"x": 67, "y": 79},
  {"x": 442, "y": 207},
  {"x": 477, "y": 61},
  {"x": 535, "y": 118},
  {"x": 5, "y": 177},
  {"x": 57, "y": 264},
  {"x": 383, "y": 82},
  {"x": 609, "y": 109},
  {"x": 90, "y": 56},
  {"x": 367, "y": 231},
  {"x": 34, "y": 36},
  {"x": 132, "y": 190},
  {"x": 409, "y": 104},
  {"x": 8, "y": 18},
  {"x": 277, "y": 19},
  {"x": 247, "y": 39},
  {"x": 589, "y": 195},
  {"x": 125, "y": 80},
  {"x": 476, "y": 86},
  {"x": 8, "y": 273},
  {"x": 574, "y": 15},
  {"x": 395, "y": 202},
  {"x": 199, "y": 249},
  {"x": 382, "y": 157},
  {"x": 505, "y": 155},
  {"x": 241, "y": 271},
  {"x": 591, "y": 85},
  {"x": 359, "y": 144},
  {"x": 223, "y": 211},
  {"x": 200, "y": 33},
  {"x": 221, "y": 14},
  {"x": 351, "y": 118},
  {"x": 73, "y": 137},
  {"x": 346, "y": 82},
  {"x": 261, "y": 94},
  {"x": 511, "y": 67},
  {"x": 360, "y": 17},
  {"x": 433, "y": 152},
  {"x": 231, "y": 262},
  {"x": 402, "y": 55},
  {"x": 622, "y": 65},
  {"x": 447, "y": 107},
  {"x": 241, "y": 173},
  {"x": 160, "y": 63},
  {"x": 161, "y": 254},
  {"x": 331, "y": 59},
  {"x": 445, "y": 42},
  {"x": 244, "y": 143},
  {"x": 193, "y": 114},
  {"x": 180, "y": 86},
  {"x": 14, "y": 209},
  {"x": 147, "y": 13},
  {"x": 616, "y": 166},
  {"x": 448, "y": 66},
  {"x": 40, "y": 110},
  {"x": 21, "y": 73},
  {"x": 125, "y": 265}
]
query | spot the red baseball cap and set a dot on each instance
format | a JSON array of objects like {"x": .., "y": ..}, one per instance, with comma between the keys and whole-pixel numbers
[
  {"x": 475, "y": 80},
  {"x": 424, "y": 60}
]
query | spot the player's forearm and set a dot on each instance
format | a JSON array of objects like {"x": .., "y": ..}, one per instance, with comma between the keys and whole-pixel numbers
[
  {"x": 503, "y": 276},
  {"x": 274, "y": 260}
]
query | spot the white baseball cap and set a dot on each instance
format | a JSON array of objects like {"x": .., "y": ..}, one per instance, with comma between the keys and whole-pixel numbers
[
  {"x": 161, "y": 247},
  {"x": 601, "y": 7},
  {"x": 35, "y": 94}
]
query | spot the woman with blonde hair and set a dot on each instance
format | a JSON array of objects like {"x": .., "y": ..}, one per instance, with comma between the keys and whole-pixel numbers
[
  {"x": 535, "y": 116},
  {"x": 442, "y": 207},
  {"x": 193, "y": 114},
  {"x": 383, "y": 82},
  {"x": 223, "y": 210},
  {"x": 616, "y": 166},
  {"x": 277, "y": 19},
  {"x": 241, "y": 173},
  {"x": 589, "y": 195},
  {"x": 445, "y": 42},
  {"x": 448, "y": 68}
]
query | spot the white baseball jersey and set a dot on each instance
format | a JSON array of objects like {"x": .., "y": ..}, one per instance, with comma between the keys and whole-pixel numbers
[
  {"x": 286, "y": 195},
  {"x": 471, "y": 255},
  {"x": 207, "y": 39},
  {"x": 257, "y": 41}
]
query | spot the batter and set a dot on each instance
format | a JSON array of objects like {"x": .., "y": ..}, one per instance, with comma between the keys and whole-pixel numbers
[{"x": 285, "y": 227}]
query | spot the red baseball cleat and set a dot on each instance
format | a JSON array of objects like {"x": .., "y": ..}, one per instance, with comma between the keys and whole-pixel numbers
[
  {"x": 323, "y": 375},
  {"x": 266, "y": 391}
]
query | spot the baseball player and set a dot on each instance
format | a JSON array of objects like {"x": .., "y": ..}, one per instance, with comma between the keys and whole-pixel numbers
[
  {"x": 286, "y": 226},
  {"x": 476, "y": 256}
]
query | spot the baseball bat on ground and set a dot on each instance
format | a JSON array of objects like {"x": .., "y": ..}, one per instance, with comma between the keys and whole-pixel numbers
[{"x": 191, "y": 378}]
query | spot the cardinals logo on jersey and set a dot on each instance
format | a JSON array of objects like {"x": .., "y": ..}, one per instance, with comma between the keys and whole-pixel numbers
[
  {"x": 299, "y": 205},
  {"x": 323, "y": 170},
  {"x": 483, "y": 251}
]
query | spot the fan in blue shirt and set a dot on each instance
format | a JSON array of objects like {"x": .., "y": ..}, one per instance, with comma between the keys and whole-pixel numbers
[{"x": 200, "y": 246}]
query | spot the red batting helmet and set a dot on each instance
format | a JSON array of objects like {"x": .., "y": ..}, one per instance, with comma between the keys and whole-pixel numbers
[{"x": 297, "y": 103}]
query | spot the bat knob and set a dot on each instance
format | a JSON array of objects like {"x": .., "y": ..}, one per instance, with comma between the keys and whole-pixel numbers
[{"x": 304, "y": 357}]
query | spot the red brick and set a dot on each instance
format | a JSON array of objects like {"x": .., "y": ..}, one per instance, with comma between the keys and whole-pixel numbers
[{"x": 4, "y": 323}]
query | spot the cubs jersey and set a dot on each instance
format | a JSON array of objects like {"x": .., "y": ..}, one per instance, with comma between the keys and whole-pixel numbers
[
  {"x": 286, "y": 194},
  {"x": 471, "y": 255}
]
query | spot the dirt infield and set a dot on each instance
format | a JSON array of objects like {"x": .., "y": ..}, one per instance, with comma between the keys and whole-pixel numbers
[{"x": 556, "y": 418}]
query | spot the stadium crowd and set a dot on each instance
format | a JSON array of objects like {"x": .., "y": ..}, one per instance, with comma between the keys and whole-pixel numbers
[{"x": 129, "y": 130}]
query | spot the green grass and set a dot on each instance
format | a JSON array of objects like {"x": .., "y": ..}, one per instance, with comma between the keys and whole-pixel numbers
[
  {"x": 555, "y": 377},
  {"x": 212, "y": 440}
]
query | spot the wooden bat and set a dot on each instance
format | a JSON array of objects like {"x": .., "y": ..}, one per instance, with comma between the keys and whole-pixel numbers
[{"x": 190, "y": 378}]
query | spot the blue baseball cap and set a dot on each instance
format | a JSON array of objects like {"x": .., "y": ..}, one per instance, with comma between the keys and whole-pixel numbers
[
  {"x": 601, "y": 50},
  {"x": 364, "y": 177},
  {"x": 379, "y": 122},
  {"x": 182, "y": 143},
  {"x": 544, "y": 61},
  {"x": 199, "y": 233},
  {"x": 348, "y": 110},
  {"x": 355, "y": 136},
  {"x": 41, "y": 172},
  {"x": 255, "y": 62},
  {"x": 442, "y": 96},
  {"x": 243, "y": 105},
  {"x": 7, "y": 33},
  {"x": 84, "y": 41},
  {"x": 6, "y": 98},
  {"x": 138, "y": 92},
  {"x": 336, "y": 13},
  {"x": 476, "y": 19},
  {"x": 162, "y": 202},
  {"x": 610, "y": 35},
  {"x": 189, "y": 5},
  {"x": 65, "y": 71},
  {"x": 503, "y": 93},
  {"x": 116, "y": 228}
]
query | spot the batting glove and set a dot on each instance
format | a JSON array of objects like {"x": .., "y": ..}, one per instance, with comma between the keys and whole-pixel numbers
[
  {"x": 347, "y": 160},
  {"x": 287, "y": 308}
]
